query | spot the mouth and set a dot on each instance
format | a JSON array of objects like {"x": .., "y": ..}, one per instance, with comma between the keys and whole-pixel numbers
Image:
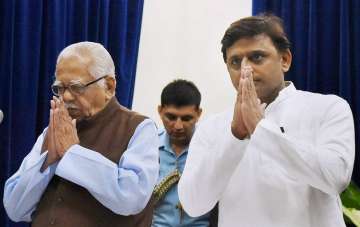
[
  {"x": 74, "y": 112},
  {"x": 178, "y": 135},
  {"x": 71, "y": 109}
]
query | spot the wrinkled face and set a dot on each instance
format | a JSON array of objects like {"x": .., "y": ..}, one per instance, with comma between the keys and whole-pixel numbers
[
  {"x": 267, "y": 63},
  {"x": 93, "y": 99},
  {"x": 179, "y": 122}
]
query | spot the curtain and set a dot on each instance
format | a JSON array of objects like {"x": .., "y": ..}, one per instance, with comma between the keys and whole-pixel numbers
[
  {"x": 325, "y": 36},
  {"x": 32, "y": 33}
]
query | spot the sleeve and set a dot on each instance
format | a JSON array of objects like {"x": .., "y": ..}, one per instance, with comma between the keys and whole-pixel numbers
[
  {"x": 327, "y": 163},
  {"x": 24, "y": 189},
  {"x": 124, "y": 188},
  {"x": 212, "y": 159}
]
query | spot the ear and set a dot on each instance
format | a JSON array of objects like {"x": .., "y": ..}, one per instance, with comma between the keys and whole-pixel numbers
[
  {"x": 286, "y": 58},
  {"x": 227, "y": 67},
  {"x": 110, "y": 86},
  {"x": 199, "y": 112},
  {"x": 159, "y": 109}
]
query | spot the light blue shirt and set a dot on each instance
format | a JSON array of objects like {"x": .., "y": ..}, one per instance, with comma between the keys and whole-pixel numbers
[
  {"x": 167, "y": 212},
  {"x": 125, "y": 188}
]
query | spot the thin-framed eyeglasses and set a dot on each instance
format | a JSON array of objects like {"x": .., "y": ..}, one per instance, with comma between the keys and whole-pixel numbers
[{"x": 76, "y": 88}]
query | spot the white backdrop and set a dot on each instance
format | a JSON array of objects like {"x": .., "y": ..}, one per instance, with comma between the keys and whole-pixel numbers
[{"x": 181, "y": 39}]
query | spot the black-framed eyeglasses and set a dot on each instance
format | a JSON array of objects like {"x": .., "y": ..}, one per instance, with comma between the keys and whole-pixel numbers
[{"x": 75, "y": 88}]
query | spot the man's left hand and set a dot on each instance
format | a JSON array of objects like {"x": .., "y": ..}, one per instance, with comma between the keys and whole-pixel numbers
[
  {"x": 64, "y": 129},
  {"x": 252, "y": 109}
]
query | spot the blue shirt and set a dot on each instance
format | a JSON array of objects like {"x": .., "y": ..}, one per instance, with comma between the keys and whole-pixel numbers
[
  {"x": 125, "y": 188},
  {"x": 167, "y": 212}
]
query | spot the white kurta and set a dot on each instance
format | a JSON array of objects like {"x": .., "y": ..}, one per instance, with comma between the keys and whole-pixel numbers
[{"x": 275, "y": 179}]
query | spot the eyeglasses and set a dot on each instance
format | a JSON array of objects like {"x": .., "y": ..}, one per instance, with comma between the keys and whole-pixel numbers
[{"x": 75, "y": 88}]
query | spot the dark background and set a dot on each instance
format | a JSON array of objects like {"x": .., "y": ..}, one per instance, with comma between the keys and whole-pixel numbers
[{"x": 32, "y": 33}]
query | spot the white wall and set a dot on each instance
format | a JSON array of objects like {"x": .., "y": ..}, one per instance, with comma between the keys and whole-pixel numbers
[{"x": 181, "y": 39}]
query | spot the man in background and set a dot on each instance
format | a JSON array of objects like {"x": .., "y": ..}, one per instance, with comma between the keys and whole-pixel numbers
[
  {"x": 276, "y": 167},
  {"x": 179, "y": 111},
  {"x": 96, "y": 164}
]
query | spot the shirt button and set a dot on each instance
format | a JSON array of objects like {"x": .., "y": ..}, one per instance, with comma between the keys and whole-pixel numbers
[
  {"x": 52, "y": 222},
  {"x": 59, "y": 199}
]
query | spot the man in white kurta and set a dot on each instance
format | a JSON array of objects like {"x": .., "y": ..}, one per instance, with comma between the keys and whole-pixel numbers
[{"x": 279, "y": 166}]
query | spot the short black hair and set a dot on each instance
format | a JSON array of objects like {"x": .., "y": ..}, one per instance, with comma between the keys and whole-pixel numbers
[
  {"x": 249, "y": 27},
  {"x": 180, "y": 93}
]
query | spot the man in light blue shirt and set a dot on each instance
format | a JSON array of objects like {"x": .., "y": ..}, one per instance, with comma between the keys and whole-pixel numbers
[
  {"x": 96, "y": 164},
  {"x": 179, "y": 112}
]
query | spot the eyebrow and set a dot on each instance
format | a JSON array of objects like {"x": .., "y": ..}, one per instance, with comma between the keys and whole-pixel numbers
[
  {"x": 177, "y": 116},
  {"x": 257, "y": 52},
  {"x": 253, "y": 52},
  {"x": 70, "y": 82}
]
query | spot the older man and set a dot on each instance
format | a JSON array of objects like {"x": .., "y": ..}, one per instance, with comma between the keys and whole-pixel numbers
[
  {"x": 283, "y": 166},
  {"x": 96, "y": 164}
]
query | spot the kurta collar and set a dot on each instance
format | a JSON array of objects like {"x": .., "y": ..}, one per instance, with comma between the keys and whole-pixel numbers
[{"x": 286, "y": 92}]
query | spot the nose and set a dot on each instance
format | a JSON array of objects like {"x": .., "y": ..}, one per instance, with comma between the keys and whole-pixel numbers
[
  {"x": 67, "y": 96},
  {"x": 178, "y": 124},
  {"x": 245, "y": 62}
]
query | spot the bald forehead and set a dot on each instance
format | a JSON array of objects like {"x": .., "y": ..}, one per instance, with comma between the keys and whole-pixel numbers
[{"x": 73, "y": 68}]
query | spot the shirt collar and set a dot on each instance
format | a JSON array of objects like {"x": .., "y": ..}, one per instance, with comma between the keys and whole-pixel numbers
[{"x": 164, "y": 140}]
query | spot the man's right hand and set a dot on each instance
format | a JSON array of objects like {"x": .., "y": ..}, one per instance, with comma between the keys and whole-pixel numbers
[
  {"x": 52, "y": 155},
  {"x": 238, "y": 128}
]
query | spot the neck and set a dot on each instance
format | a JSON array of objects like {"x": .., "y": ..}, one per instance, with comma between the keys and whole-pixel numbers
[
  {"x": 274, "y": 95},
  {"x": 178, "y": 147}
]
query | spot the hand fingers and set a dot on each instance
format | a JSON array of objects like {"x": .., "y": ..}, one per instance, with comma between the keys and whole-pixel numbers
[
  {"x": 53, "y": 131},
  {"x": 52, "y": 104},
  {"x": 249, "y": 94},
  {"x": 245, "y": 71},
  {"x": 252, "y": 85},
  {"x": 73, "y": 122},
  {"x": 51, "y": 119},
  {"x": 74, "y": 125},
  {"x": 56, "y": 119},
  {"x": 249, "y": 90},
  {"x": 57, "y": 131},
  {"x": 56, "y": 100},
  {"x": 48, "y": 138},
  {"x": 244, "y": 63},
  {"x": 60, "y": 105},
  {"x": 65, "y": 111},
  {"x": 245, "y": 91},
  {"x": 239, "y": 90},
  {"x": 244, "y": 68},
  {"x": 62, "y": 109}
]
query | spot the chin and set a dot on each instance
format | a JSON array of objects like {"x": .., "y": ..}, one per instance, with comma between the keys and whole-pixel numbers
[{"x": 179, "y": 139}]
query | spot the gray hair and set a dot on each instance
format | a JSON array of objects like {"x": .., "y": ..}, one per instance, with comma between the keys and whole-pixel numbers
[{"x": 101, "y": 62}]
